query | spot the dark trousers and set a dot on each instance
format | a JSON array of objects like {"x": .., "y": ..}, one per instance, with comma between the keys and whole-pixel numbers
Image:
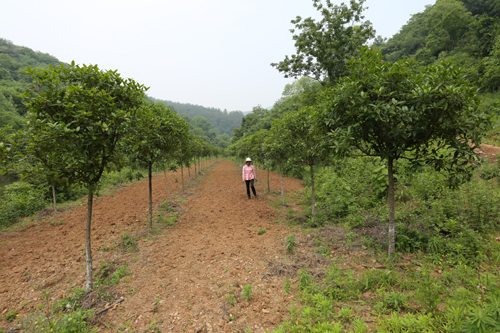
[{"x": 250, "y": 184}]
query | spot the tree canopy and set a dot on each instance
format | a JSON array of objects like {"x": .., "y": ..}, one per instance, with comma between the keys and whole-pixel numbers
[
  {"x": 324, "y": 46},
  {"x": 76, "y": 117},
  {"x": 397, "y": 110}
]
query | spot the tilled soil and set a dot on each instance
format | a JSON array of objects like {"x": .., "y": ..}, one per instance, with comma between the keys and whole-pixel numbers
[
  {"x": 179, "y": 279},
  {"x": 490, "y": 151}
]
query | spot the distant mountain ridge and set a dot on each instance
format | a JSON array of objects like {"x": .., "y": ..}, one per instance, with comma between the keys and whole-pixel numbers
[
  {"x": 223, "y": 120},
  {"x": 14, "y": 59}
]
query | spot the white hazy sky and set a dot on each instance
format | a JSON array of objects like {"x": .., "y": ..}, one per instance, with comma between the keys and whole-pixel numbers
[{"x": 215, "y": 53}]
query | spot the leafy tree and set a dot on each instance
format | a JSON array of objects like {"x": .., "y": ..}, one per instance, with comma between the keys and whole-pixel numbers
[
  {"x": 184, "y": 154},
  {"x": 398, "y": 111},
  {"x": 155, "y": 133},
  {"x": 76, "y": 117},
  {"x": 324, "y": 46},
  {"x": 278, "y": 147},
  {"x": 304, "y": 142},
  {"x": 481, "y": 7},
  {"x": 448, "y": 21}
]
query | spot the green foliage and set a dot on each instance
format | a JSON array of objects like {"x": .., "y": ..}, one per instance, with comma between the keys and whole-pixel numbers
[
  {"x": 261, "y": 231},
  {"x": 11, "y": 316},
  {"x": 287, "y": 288},
  {"x": 298, "y": 138},
  {"x": 290, "y": 243},
  {"x": 231, "y": 299},
  {"x": 129, "y": 243},
  {"x": 224, "y": 122},
  {"x": 109, "y": 275},
  {"x": 82, "y": 108},
  {"x": 396, "y": 301},
  {"x": 399, "y": 111},
  {"x": 247, "y": 293},
  {"x": 20, "y": 199},
  {"x": 324, "y": 46},
  {"x": 74, "y": 322},
  {"x": 480, "y": 320},
  {"x": 13, "y": 60}
]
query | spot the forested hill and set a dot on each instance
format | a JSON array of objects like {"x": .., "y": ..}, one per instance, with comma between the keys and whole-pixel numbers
[
  {"x": 13, "y": 60},
  {"x": 465, "y": 32},
  {"x": 223, "y": 120}
]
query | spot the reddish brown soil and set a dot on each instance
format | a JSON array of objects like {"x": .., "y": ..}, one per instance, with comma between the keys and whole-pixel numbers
[
  {"x": 187, "y": 268},
  {"x": 490, "y": 151}
]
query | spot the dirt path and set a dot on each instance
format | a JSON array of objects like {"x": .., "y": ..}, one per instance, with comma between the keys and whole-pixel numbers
[
  {"x": 216, "y": 244},
  {"x": 187, "y": 269}
]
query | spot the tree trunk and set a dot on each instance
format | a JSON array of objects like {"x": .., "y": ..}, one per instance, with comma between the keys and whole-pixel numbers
[
  {"x": 54, "y": 198},
  {"x": 120, "y": 174},
  {"x": 195, "y": 172},
  {"x": 282, "y": 194},
  {"x": 268, "y": 186},
  {"x": 390, "y": 199},
  {"x": 182, "y": 176},
  {"x": 168, "y": 186},
  {"x": 313, "y": 212},
  {"x": 189, "y": 172},
  {"x": 150, "y": 176},
  {"x": 90, "y": 200}
]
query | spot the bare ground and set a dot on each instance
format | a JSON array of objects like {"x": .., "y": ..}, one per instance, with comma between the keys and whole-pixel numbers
[{"x": 179, "y": 278}]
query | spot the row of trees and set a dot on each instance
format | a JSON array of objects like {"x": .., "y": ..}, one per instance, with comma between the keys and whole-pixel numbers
[
  {"x": 82, "y": 121},
  {"x": 369, "y": 107}
]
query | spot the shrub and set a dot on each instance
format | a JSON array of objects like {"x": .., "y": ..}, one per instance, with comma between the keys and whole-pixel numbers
[{"x": 20, "y": 199}]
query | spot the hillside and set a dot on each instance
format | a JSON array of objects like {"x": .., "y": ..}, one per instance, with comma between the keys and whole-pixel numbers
[
  {"x": 13, "y": 60},
  {"x": 223, "y": 120},
  {"x": 464, "y": 32}
]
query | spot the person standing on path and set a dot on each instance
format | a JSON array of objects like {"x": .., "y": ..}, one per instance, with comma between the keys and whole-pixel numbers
[{"x": 249, "y": 177}]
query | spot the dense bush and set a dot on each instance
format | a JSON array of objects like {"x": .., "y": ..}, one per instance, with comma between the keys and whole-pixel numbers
[
  {"x": 348, "y": 186},
  {"x": 431, "y": 217},
  {"x": 20, "y": 199}
]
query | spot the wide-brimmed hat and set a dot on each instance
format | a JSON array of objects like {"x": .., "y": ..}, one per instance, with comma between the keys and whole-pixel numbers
[{"x": 249, "y": 159}]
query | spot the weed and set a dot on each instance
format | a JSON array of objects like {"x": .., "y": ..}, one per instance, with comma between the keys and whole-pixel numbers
[
  {"x": 11, "y": 316},
  {"x": 129, "y": 243},
  {"x": 287, "y": 287},
  {"x": 60, "y": 222},
  {"x": 153, "y": 327},
  {"x": 428, "y": 291},
  {"x": 304, "y": 280},
  {"x": 261, "y": 231},
  {"x": 52, "y": 223},
  {"x": 323, "y": 250},
  {"x": 231, "y": 299},
  {"x": 345, "y": 315},
  {"x": 290, "y": 243},
  {"x": 395, "y": 301},
  {"x": 247, "y": 293}
]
